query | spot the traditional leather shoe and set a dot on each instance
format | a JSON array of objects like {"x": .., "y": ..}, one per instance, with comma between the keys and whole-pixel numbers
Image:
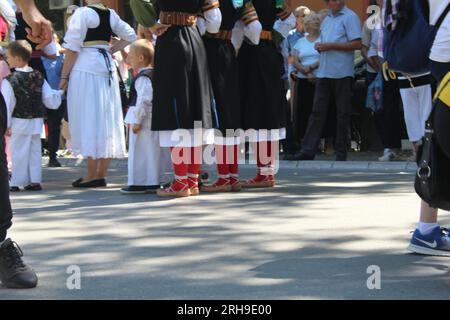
[
  {"x": 171, "y": 192},
  {"x": 221, "y": 185},
  {"x": 260, "y": 181}
]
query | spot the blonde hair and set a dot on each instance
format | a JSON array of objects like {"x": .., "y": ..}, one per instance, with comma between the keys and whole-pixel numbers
[
  {"x": 302, "y": 10},
  {"x": 144, "y": 47}
]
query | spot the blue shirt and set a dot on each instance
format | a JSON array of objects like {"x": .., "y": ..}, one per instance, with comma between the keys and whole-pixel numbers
[
  {"x": 286, "y": 49},
  {"x": 54, "y": 70},
  {"x": 343, "y": 27}
]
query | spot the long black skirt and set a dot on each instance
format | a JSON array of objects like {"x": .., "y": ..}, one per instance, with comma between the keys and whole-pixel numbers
[
  {"x": 263, "y": 102},
  {"x": 223, "y": 66},
  {"x": 182, "y": 85}
]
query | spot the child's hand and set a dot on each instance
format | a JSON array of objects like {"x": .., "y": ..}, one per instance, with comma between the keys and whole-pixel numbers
[
  {"x": 8, "y": 132},
  {"x": 137, "y": 128}
]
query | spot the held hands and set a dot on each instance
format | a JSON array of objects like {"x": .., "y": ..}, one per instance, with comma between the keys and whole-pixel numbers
[
  {"x": 41, "y": 30},
  {"x": 159, "y": 29},
  {"x": 64, "y": 84},
  {"x": 136, "y": 128}
]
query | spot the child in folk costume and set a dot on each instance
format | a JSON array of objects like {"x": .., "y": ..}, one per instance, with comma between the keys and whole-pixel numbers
[
  {"x": 182, "y": 88},
  {"x": 93, "y": 96},
  {"x": 144, "y": 153},
  {"x": 263, "y": 101},
  {"x": 26, "y": 94},
  {"x": 223, "y": 65}
]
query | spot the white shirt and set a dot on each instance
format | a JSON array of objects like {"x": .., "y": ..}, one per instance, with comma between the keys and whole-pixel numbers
[
  {"x": 252, "y": 32},
  {"x": 210, "y": 21},
  {"x": 141, "y": 113},
  {"x": 51, "y": 99},
  {"x": 89, "y": 58},
  {"x": 440, "y": 51},
  {"x": 285, "y": 26},
  {"x": 307, "y": 53}
]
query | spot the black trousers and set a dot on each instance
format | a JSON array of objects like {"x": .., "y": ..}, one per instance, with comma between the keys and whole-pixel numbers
[
  {"x": 327, "y": 90},
  {"x": 54, "y": 118},
  {"x": 5, "y": 205},
  {"x": 389, "y": 119}
]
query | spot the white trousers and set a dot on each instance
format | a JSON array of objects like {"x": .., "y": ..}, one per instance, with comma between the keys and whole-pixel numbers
[
  {"x": 26, "y": 159},
  {"x": 417, "y": 104},
  {"x": 148, "y": 163}
]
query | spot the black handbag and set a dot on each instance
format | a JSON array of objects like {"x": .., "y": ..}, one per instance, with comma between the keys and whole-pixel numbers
[
  {"x": 3, "y": 116},
  {"x": 432, "y": 182},
  {"x": 123, "y": 93}
]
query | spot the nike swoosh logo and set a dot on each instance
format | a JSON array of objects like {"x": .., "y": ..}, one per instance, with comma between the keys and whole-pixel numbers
[{"x": 430, "y": 244}]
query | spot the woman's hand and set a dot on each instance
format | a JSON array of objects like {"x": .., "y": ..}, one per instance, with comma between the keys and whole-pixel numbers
[
  {"x": 136, "y": 128},
  {"x": 159, "y": 29},
  {"x": 40, "y": 30},
  {"x": 311, "y": 78},
  {"x": 64, "y": 84}
]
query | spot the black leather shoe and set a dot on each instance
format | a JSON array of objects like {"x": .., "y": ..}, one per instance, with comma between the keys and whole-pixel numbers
[
  {"x": 54, "y": 163},
  {"x": 100, "y": 183},
  {"x": 14, "y": 273},
  {"x": 14, "y": 189},
  {"x": 90, "y": 184},
  {"x": 33, "y": 187},
  {"x": 134, "y": 190}
]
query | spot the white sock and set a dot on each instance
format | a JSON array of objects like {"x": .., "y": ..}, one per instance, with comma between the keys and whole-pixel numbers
[{"x": 426, "y": 228}]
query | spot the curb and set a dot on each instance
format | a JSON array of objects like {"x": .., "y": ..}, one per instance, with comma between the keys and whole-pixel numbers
[{"x": 402, "y": 166}]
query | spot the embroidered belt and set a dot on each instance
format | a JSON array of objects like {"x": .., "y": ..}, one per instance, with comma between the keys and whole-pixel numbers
[
  {"x": 95, "y": 43},
  {"x": 266, "y": 35},
  {"x": 178, "y": 18},
  {"x": 222, "y": 35}
]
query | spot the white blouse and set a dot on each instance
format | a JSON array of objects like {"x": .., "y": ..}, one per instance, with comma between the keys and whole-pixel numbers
[
  {"x": 51, "y": 98},
  {"x": 285, "y": 26},
  {"x": 90, "y": 59},
  {"x": 252, "y": 32},
  {"x": 141, "y": 113}
]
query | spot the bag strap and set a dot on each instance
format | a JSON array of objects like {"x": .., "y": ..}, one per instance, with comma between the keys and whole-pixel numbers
[{"x": 442, "y": 17}]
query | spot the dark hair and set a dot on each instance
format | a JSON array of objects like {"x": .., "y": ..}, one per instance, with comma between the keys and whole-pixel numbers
[{"x": 21, "y": 49}]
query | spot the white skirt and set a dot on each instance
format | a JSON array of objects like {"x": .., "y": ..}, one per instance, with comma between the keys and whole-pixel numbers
[{"x": 95, "y": 116}]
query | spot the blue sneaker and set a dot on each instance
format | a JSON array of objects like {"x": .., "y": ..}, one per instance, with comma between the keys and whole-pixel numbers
[{"x": 437, "y": 243}]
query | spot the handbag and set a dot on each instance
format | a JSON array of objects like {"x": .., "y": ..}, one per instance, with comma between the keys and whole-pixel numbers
[{"x": 432, "y": 181}]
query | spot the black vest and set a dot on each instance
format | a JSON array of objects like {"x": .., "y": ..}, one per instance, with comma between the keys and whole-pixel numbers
[
  {"x": 133, "y": 94},
  {"x": 3, "y": 117},
  {"x": 103, "y": 32},
  {"x": 27, "y": 88}
]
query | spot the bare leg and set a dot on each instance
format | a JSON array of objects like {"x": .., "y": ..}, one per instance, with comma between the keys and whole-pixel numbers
[
  {"x": 102, "y": 169},
  {"x": 91, "y": 170},
  {"x": 428, "y": 214}
]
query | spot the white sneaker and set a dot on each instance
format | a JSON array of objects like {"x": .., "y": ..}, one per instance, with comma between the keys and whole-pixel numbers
[{"x": 388, "y": 155}]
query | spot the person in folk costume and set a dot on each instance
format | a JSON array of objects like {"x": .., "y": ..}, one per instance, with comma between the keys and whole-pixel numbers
[
  {"x": 93, "y": 96},
  {"x": 182, "y": 87},
  {"x": 223, "y": 65},
  {"x": 26, "y": 94},
  {"x": 263, "y": 101}
]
